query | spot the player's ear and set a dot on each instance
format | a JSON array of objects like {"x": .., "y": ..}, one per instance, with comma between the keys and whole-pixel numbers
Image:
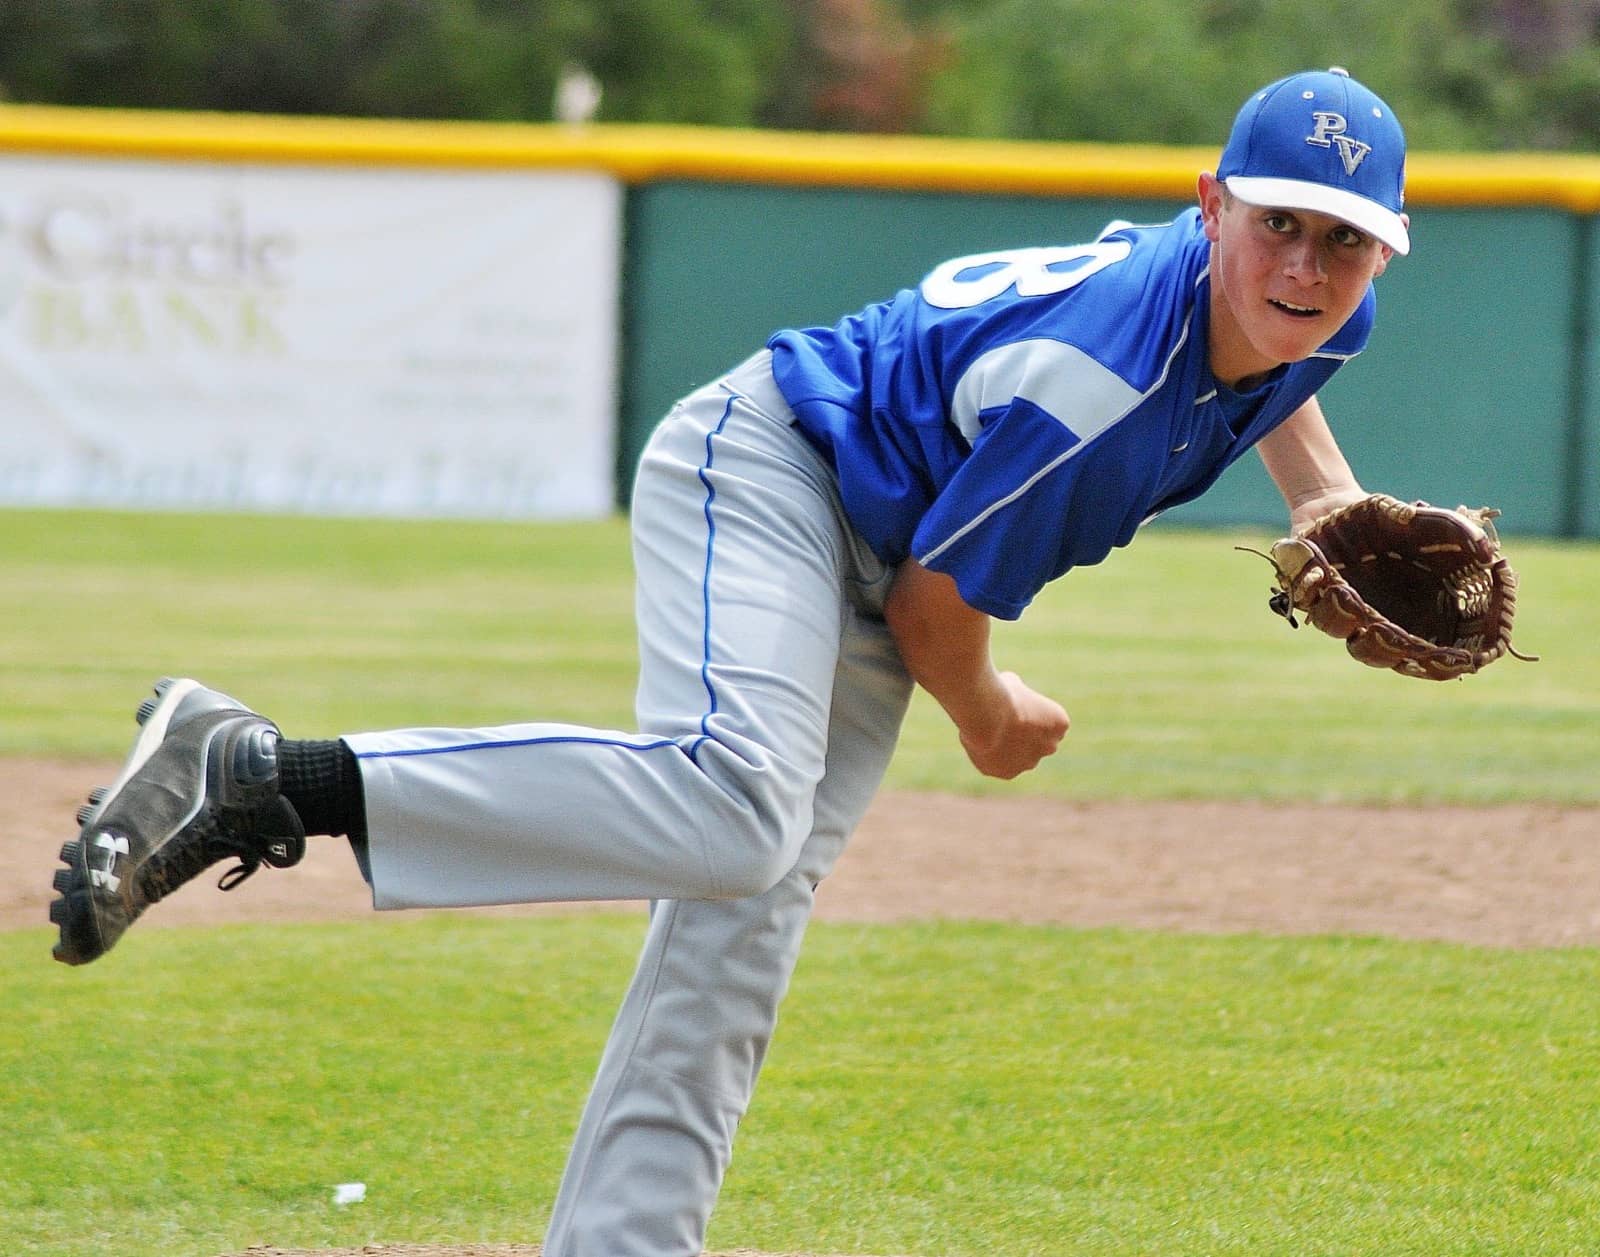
[
  {"x": 1387, "y": 253},
  {"x": 1211, "y": 195}
]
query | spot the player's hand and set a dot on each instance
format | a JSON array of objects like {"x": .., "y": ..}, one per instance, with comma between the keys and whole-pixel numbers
[
  {"x": 1019, "y": 727},
  {"x": 1312, "y": 509}
]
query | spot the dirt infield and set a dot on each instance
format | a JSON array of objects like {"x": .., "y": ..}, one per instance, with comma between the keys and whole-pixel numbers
[{"x": 1522, "y": 876}]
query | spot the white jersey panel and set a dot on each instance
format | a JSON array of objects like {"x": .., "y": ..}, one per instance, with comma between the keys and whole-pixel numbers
[{"x": 1060, "y": 379}]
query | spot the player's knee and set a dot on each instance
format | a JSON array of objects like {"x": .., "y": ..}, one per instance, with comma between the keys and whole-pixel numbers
[
  {"x": 751, "y": 847},
  {"x": 754, "y": 871},
  {"x": 756, "y": 831}
]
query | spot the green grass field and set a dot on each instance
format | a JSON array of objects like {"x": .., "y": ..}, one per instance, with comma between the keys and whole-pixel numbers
[
  {"x": 1179, "y": 681},
  {"x": 943, "y": 1090}
]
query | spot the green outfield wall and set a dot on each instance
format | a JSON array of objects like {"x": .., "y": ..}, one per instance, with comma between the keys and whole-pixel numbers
[
  {"x": 1481, "y": 385},
  {"x": 1473, "y": 388}
]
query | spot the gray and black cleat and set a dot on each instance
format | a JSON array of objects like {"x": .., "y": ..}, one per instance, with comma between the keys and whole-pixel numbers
[{"x": 200, "y": 785}]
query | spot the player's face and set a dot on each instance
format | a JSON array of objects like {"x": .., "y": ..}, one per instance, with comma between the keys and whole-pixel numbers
[{"x": 1282, "y": 281}]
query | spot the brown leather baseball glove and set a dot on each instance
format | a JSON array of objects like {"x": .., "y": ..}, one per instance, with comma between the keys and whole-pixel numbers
[{"x": 1407, "y": 586}]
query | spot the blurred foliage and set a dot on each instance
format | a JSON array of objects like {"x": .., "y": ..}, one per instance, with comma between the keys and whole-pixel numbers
[{"x": 1465, "y": 74}]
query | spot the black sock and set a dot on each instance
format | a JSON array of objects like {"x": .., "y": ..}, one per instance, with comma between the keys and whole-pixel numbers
[{"x": 323, "y": 783}]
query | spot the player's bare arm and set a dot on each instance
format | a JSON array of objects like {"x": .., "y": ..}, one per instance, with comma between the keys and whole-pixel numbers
[
  {"x": 1006, "y": 727},
  {"x": 1308, "y": 467}
]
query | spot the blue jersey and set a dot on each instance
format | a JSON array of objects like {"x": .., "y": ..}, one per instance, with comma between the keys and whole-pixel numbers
[{"x": 1019, "y": 414}]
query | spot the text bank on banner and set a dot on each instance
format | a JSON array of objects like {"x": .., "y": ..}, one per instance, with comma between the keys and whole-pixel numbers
[{"x": 286, "y": 339}]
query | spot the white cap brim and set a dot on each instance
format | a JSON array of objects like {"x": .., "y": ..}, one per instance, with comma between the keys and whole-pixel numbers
[{"x": 1358, "y": 211}]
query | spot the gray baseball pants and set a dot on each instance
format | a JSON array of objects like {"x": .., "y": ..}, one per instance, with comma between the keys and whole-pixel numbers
[{"x": 769, "y": 702}]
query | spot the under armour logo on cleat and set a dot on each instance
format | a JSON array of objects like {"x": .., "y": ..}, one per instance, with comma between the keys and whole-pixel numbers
[{"x": 103, "y": 853}]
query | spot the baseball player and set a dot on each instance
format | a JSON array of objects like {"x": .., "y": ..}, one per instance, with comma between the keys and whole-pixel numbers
[{"x": 837, "y": 518}]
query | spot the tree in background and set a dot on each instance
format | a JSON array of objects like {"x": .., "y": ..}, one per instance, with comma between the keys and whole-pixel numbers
[
  {"x": 865, "y": 68},
  {"x": 1554, "y": 47},
  {"x": 692, "y": 61},
  {"x": 1466, "y": 74},
  {"x": 416, "y": 58},
  {"x": 1156, "y": 71}
]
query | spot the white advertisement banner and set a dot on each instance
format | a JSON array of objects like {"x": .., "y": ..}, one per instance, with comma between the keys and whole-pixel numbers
[{"x": 305, "y": 339}]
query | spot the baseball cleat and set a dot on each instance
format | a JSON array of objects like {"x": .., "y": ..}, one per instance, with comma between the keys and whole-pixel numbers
[{"x": 200, "y": 785}]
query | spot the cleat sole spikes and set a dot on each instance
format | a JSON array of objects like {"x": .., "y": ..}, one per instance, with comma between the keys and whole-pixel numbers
[
  {"x": 148, "y": 707},
  {"x": 87, "y": 810}
]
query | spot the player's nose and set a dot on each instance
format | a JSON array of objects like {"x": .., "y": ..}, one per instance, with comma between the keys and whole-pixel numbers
[{"x": 1304, "y": 261}]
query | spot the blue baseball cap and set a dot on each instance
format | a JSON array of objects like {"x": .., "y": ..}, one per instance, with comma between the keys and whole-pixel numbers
[{"x": 1321, "y": 141}]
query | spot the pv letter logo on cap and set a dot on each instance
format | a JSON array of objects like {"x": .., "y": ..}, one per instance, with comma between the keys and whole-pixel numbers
[{"x": 1330, "y": 132}]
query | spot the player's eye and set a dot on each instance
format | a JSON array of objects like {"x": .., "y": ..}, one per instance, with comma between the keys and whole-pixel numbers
[
  {"x": 1348, "y": 236},
  {"x": 1278, "y": 223}
]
